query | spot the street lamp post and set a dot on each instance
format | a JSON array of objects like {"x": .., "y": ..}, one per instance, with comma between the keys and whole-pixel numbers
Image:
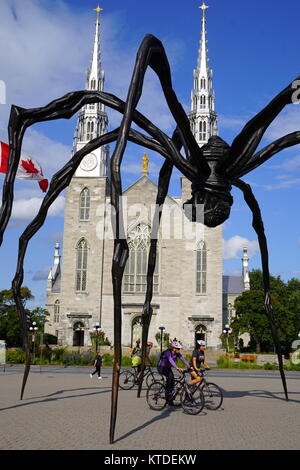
[
  {"x": 33, "y": 329},
  {"x": 96, "y": 330},
  {"x": 161, "y": 328},
  {"x": 227, "y": 331}
]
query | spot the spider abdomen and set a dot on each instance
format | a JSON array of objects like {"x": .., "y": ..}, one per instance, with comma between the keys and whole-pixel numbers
[{"x": 211, "y": 199}]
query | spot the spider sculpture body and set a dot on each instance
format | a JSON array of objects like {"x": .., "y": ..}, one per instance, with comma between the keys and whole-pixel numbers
[{"x": 212, "y": 170}]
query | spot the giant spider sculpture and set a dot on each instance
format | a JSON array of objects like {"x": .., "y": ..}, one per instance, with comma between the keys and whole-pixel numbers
[{"x": 212, "y": 170}]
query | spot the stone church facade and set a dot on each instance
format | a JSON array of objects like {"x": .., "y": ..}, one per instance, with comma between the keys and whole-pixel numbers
[{"x": 189, "y": 300}]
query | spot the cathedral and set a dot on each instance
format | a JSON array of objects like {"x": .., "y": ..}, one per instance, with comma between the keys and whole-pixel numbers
[{"x": 191, "y": 298}]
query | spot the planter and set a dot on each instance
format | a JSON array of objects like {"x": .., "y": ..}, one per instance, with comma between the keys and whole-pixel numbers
[{"x": 248, "y": 357}]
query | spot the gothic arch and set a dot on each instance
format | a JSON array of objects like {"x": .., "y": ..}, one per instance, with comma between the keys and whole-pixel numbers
[
  {"x": 81, "y": 265},
  {"x": 201, "y": 267},
  {"x": 135, "y": 274},
  {"x": 136, "y": 329},
  {"x": 84, "y": 204}
]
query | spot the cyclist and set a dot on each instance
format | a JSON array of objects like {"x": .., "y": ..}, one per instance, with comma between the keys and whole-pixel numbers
[
  {"x": 137, "y": 359},
  {"x": 167, "y": 361},
  {"x": 198, "y": 359}
]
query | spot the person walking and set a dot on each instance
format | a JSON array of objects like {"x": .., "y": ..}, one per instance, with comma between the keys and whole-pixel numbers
[{"x": 97, "y": 365}]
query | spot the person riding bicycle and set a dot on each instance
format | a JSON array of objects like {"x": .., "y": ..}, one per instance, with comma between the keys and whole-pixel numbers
[
  {"x": 137, "y": 359},
  {"x": 198, "y": 359},
  {"x": 167, "y": 361}
]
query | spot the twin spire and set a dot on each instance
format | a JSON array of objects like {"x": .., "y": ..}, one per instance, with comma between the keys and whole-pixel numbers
[{"x": 202, "y": 117}]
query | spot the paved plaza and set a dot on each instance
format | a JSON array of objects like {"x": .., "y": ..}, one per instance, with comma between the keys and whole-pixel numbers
[{"x": 64, "y": 409}]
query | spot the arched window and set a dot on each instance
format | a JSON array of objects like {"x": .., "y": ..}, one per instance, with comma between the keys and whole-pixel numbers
[
  {"x": 81, "y": 265},
  {"x": 202, "y": 101},
  {"x": 201, "y": 268},
  {"x": 202, "y": 130},
  {"x": 202, "y": 83},
  {"x": 90, "y": 130},
  {"x": 136, "y": 330},
  {"x": 135, "y": 275},
  {"x": 85, "y": 203},
  {"x": 56, "y": 311}
]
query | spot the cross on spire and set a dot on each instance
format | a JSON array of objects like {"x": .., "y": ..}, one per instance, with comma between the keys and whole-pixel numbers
[
  {"x": 98, "y": 9},
  {"x": 203, "y": 8}
]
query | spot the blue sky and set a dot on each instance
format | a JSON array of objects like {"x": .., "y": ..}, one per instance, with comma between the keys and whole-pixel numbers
[{"x": 45, "y": 49}]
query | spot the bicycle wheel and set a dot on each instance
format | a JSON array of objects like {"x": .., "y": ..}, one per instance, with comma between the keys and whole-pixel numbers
[
  {"x": 192, "y": 401},
  {"x": 154, "y": 377},
  {"x": 156, "y": 396},
  {"x": 126, "y": 381},
  {"x": 213, "y": 395}
]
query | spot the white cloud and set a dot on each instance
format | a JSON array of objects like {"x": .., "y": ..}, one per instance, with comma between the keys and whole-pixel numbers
[
  {"x": 28, "y": 208},
  {"x": 286, "y": 122},
  {"x": 42, "y": 274},
  {"x": 233, "y": 247},
  {"x": 52, "y": 155},
  {"x": 234, "y": 123},
  {"x": 291, "y": 164},
  {"x": 284, "y": 184}
]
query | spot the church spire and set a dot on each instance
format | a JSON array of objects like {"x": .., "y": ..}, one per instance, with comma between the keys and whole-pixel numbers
[
  {"x": 202, "y": 56},
  {"x": 95, "y": 72},
  {"x": 202, "y": 116},
  {"x": 92, "y": 120}
]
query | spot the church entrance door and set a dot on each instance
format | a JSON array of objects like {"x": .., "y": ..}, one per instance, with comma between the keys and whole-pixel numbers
[
  {"x": 78, "y": 335},
  {"x": 200, "y": 334},
  {"x": 136, "y": 330}
]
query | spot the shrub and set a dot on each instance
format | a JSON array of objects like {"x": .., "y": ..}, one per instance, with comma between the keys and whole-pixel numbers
[
  {"x": 108, "y": 359},
  {"x": 15, "y": 356},
  {"x": 269, "y": 366}
]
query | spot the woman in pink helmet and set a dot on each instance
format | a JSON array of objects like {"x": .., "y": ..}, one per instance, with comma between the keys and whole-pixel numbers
[{"x": 167, "y": 361}]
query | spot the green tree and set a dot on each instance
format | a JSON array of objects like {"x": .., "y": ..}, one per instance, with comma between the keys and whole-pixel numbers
[
  {"x": 251, "y": 318},
  {"x": 10, "y": 329},
  {"x": 293, "y": 300},
  {"x": 277, "y": 285}
]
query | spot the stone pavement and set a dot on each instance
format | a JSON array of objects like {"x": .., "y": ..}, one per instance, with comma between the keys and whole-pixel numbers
[{"x": 66, "y": 410}]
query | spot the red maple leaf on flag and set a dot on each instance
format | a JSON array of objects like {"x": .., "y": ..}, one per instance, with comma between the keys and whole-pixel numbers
[{"x": 28, "y": 166}]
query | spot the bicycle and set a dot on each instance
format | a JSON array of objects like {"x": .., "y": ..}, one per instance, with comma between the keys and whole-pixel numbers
[
  {"x": 213, "y": 394},
  {"x": 191, "y": 399},
  {"x": 128, "y": 377}
]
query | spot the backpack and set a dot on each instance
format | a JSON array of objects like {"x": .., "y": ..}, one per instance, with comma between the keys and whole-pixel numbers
[{"x": 134, "y": 352}]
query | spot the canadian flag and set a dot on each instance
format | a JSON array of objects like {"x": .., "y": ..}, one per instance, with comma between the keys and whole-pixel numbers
[{"x": 27, "y": 169}]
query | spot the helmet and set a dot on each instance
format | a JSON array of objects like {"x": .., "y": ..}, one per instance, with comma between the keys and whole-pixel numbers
[
  {"x": 149, "y": 343},
  {"x": 201, "y": 342},
  {"x": 176, "y": 345}
]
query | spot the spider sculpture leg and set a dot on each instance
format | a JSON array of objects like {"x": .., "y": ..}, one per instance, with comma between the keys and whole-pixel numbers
[
  {"x": 59, "y": 182},
  {"x": 259, "y": 228},
  {"x": 163, "y": 186},
  {"x": 240, "y": 160},
  {"x": 245, "y": 144},
  {"x": 151, "y": 53},
  {"x": 20, "y": 119}
]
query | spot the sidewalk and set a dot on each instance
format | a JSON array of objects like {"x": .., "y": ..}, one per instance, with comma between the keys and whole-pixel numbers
[{"x": 67, "y": 410}]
